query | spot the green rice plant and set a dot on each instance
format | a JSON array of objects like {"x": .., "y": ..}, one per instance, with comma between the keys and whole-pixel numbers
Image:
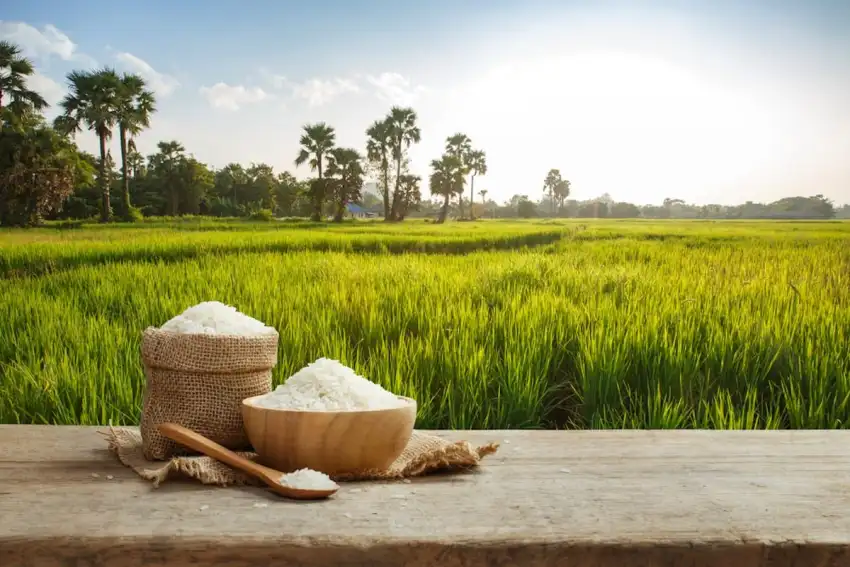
[{"x": 606, "y": 325}]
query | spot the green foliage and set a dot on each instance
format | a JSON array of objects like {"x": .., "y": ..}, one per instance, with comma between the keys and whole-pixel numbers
[
  {"x": 526, "y": 209},
  {"x": 403, "y": 129},
  {"x": 134, "y": 214},
  {"x": 410, "y": 195},
  {"x": 447, "y": 179},
  {"x": 317, "y": 142},
  {"x": 15, "y": 70},
  {"x": 379, "y": 143},
  {"x": 346, "y": 172},
  {"x": 93, "y": 103},
  {"x": 38, "y": 171},
  {"x": 557, "y": 188},
  {"x": 263, "y": 215},
  {"x": 476, "y": 161},
  {"x": 135, "y": 105}
]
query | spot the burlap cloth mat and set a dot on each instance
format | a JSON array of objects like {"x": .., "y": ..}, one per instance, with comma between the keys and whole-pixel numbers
[{"x": 424, "y": 454}]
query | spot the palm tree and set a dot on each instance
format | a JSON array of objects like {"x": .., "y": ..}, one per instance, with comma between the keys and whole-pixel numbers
[
  {"x": 378, "y": 147},
  {"x": 92, "y": 102},
  {"x": 135, "y": 106},
  {"x": 447, "y": 178},
  {"x": 562, "y": 191},
  {"x": 166, "y": 164},
  {"x": 316, "y": 142},
  {"x": 15, "y": 69},
  {"x": 231, "y": 183},
  {"x": 550, "y": 184},
  {"x": 477, "y": 164},
  {"x": 403, "y": 133},
  {"x": 346, "y": 166},
  {"x": 483, "y": 194},
  {"x": 460, "y": 146},
  {"x": 135, "y": 160}
]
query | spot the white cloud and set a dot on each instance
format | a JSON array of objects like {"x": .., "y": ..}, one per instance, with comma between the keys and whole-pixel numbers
[
  {"x": 38, "y": 44},
  {"x": 395, "y": 88},
  {"x": 232, "y": 97},
  {"x": 160, "y": 82},
  {"x": 318, "y": 92},
  {"x": 389, "y": 87},
  {"x": 43, "y": 44},
  {"x": 52, "y": 91}
]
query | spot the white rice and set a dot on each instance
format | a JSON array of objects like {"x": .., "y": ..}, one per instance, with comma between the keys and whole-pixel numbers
[
  {"x": 328, "y": 385},
  {"x": 308, "y": 479},
  {"x": 215, "y": 318}
]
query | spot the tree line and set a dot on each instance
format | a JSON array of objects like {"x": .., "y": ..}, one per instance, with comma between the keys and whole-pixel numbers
[
  {"x": 44, "y": 175},
  {"x": 788, "y": 208}
]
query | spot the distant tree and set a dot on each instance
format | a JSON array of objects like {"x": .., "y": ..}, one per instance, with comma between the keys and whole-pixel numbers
[
  {"x": 15, "y": 71},
  {"x": 135, "y": 160},
  {"x": 526, "y": 208},
  {"x": 38, "y": 170},
  {"x": 447, "y": 177},
  {"x": 459, "y": 146},
  {"x": 345, "y": 167},
  {"x": 84, "y": 203},
  {"x": 561, "y": 192},
  {"x": 135, "y": 105},
  {"x": 167, "y": 167},
  {"x": 288, "y": 190},
  {"x": 411, "y": 195},
  {"x": 551, "y": 185},
  {"x": 817, "y": 207},
  {"x": 195, "y": 180},
  {"x": 624, "y": 211},
  {"x": 671, "y": 204},
  {"x": 317, "y": 141},
  {"x": 654, "y": 212},
  {"x": 230, "y": 182},
  {"x": 260, "y": 190},
  {"x": 404, "y": 131},
  {"x": 483, "y": 194},
  {"x": 92, "y": 103},
  {"x": 379, "y": 145},
  {"x": 593, "y": 209},
  {"x": 477, "y": 164}
]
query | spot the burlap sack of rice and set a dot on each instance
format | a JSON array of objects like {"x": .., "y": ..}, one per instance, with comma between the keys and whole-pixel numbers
[
  {"x": 425, "y": 453},
  {"x": 199, "y": 381}
]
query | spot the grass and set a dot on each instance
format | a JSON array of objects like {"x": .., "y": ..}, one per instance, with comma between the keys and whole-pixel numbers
[
  {"x": 488, "y": 324},
  {"x": 44, "y": 251}
]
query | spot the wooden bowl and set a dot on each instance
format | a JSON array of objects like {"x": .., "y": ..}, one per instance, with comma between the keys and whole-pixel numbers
[{"x": 331, "y": 442}]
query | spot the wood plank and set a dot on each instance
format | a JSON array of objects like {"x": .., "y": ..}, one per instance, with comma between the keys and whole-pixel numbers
[{"x": 578, "y": 498}]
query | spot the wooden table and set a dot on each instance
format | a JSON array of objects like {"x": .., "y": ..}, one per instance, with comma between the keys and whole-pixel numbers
[{"x": 579, "y": 499}]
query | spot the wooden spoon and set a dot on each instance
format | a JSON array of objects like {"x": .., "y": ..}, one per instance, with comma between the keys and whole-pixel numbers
[{"x": 212, "y": 449}]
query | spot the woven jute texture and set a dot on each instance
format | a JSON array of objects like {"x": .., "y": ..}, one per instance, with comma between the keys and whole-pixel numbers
[
  {"x": 199, "y": 381},
  {"x": 424, "y": 454}
]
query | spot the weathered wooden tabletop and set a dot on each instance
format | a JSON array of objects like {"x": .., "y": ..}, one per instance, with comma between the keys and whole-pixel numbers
[{"x": 581, "y": 499}]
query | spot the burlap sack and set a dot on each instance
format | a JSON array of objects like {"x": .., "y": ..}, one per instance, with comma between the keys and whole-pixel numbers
[
  {"x": 199, "y": 382},
  {"x": 424, "y": 454}
]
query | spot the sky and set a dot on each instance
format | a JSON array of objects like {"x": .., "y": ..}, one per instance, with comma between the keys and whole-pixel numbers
[{"x": 711, "y": 102}]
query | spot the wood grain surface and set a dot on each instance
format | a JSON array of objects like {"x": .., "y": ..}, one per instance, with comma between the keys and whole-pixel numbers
[{"x": 578, "y": 499}]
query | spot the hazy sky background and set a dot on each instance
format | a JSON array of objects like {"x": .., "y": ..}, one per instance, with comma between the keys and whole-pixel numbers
[{"x": 718, "y": 101}]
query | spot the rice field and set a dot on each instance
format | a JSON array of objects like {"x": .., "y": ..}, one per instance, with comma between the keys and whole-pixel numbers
[{"x": 545, "y": 324}]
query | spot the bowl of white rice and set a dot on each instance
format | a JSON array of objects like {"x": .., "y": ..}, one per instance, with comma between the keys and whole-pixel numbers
[{"x": 327, "y": 418}]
